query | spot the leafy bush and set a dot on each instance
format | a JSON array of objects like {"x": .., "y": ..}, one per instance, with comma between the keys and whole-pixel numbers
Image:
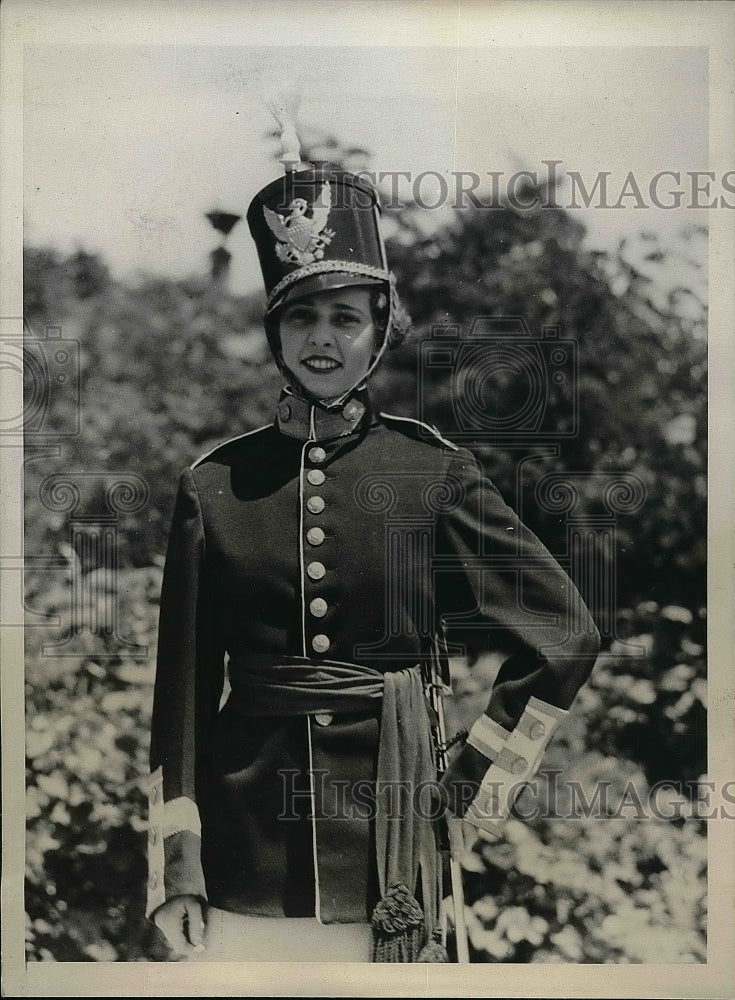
[
  {"x": 652, "y": 695},
  {"x": 86, "y": 747},
  {"x": 590, "y": 891}
]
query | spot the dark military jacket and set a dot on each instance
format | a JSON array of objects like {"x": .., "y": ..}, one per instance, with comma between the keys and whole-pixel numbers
[{"x": 340, "y": 537}]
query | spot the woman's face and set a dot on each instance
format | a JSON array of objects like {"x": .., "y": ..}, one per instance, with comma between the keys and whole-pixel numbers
[{"x": 328, "y": 340}]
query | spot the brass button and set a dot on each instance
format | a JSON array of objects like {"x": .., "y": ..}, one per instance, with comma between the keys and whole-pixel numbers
[
  {"x": 315, "y": 536},
  {"x": 538, "y": 729},
  {"x": 284, "y": 412},
  {"x": 153, "y": 835},
  {"x": 315, "y": 505},
  {"x": 321, "y": 643},
  {"x": 153, "y": 880},
  {"x": 318, "y": 607},
  {"x": 353, "y": 410},
  {"x": 316, "y": 477},
  {"x": 154, "y": 793},
  {"x": 316, "y": 570},
  {"x": 519, "y": 766},
  {"x": 317, "y": 455},
  {"x": 323, "y": 718}
]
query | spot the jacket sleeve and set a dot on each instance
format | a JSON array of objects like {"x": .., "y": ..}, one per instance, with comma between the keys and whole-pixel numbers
[
  {"x": 189, "y": 682},
  {"x": 499, "y": 583}
]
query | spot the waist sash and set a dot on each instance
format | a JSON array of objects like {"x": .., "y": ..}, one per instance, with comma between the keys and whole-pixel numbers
[
  {"x": 296, "y": 685},
  {"x": 405, "y": 842}
]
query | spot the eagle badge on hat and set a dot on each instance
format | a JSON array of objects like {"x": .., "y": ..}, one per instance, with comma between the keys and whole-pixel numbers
[{"x": 302, "y": 240}]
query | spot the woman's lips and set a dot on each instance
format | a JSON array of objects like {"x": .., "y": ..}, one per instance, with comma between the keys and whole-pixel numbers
[{"x": 321, "y": 364}]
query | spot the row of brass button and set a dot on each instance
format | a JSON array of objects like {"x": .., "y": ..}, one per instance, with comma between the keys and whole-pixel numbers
[{"x": 315, "y": 536}]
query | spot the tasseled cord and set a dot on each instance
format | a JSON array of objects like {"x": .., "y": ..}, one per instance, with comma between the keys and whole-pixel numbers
[
  {"x": 398, "y": 926},
  {"x": 406, "y": 847},
  {"x": 399, "y": 930},
  {"x": 433, "y": 950},
  {"x": 406, "y": 852}
]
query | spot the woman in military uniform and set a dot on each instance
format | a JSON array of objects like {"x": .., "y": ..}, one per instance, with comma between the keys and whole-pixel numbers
[{"x": 312, "y": 568}]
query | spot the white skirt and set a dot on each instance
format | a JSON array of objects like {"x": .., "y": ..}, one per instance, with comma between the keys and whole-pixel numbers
[{"x": 233, "y": 937}]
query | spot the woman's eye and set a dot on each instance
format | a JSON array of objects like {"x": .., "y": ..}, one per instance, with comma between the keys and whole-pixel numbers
[
  {"x": 298, "y": 316},
  {"x": 345, "y": 319}
]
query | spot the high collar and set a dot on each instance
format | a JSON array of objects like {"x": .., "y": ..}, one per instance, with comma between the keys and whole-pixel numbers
[{"x": 298, "y": 418}]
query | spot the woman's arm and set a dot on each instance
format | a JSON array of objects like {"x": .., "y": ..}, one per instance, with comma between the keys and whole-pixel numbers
[
  {"x": 506, "y": 589},
  {"x": 189, "y": 681}
]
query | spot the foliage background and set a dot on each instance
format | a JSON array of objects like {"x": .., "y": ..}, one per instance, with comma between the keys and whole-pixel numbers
[{"x": 170, "y": 368}]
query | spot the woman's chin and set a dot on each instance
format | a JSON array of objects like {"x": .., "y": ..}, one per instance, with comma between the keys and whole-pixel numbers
[{"x": 323, "y": 386}]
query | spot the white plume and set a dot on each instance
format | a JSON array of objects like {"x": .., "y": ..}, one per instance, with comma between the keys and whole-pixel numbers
[{"x": 284, "y": 108}]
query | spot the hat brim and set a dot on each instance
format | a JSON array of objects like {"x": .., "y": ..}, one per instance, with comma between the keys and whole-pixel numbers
[{"x": 323, "y": 283}]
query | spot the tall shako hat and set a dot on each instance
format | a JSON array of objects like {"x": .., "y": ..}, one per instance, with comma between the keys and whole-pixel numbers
[
  {"x": 318, "y": 229},
  {"x": 314, "y": 230}
]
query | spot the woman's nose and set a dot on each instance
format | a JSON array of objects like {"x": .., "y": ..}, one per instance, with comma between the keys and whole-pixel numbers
[{"x": 321, "y": 335}]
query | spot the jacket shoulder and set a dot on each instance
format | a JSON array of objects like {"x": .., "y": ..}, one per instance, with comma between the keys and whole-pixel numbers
[
  {"x": 223, "y": 452},
  {"x": 417, "y": 430}
]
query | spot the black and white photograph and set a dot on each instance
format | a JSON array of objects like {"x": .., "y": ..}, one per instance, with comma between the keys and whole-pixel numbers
[{"x": 367, "y": 508}]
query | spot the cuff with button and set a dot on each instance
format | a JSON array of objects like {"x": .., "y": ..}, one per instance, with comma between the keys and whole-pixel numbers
[
  {"x": 515, "y": 757},
  {"x": 156, "y": 891},
  {"x": 174, "y": 847}
]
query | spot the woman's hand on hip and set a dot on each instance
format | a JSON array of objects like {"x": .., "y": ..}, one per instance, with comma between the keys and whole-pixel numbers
[{"x": 182, "y": 922}]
